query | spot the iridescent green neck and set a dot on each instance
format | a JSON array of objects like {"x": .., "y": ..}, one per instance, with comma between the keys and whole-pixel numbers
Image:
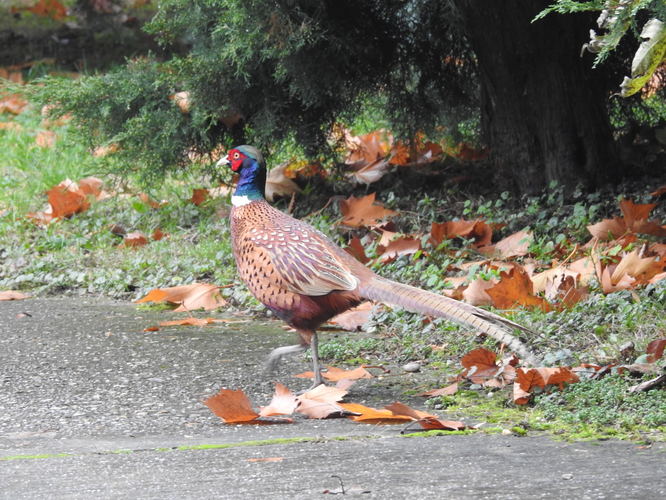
[{"x": 252, "y": 183}]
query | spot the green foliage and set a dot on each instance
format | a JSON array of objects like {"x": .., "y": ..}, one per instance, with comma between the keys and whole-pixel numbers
[
  {"x": 605, "y": 402},
  {"x": 288, "y": 68}
]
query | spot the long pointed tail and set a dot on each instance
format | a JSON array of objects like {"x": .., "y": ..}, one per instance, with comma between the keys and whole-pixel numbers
[{"x": 420, "y": 301}]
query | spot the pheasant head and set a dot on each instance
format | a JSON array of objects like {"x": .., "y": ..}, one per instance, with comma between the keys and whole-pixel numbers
[{"x": 248, "y": 162}]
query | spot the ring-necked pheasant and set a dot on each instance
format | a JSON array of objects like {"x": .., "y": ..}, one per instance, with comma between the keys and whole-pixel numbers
[{"x": 306, "y": 279}]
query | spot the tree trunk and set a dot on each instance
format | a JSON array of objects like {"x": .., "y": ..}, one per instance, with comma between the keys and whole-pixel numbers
[{"x": 543, "y": 108}]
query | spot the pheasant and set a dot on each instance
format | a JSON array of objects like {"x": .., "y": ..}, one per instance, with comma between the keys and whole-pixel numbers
[{"x": 306, "y": 279}]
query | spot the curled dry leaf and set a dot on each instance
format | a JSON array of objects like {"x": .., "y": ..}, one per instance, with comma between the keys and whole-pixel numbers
[
  {"x": 278, "y": 184},
  {"x": 12, "y": 295},
  {"x": 515, "y": 245},
  {"x": 515, "y": 289},
  {"x": 634, "y": 220},
  {"x": 363, "y": 212},
  {"x": 655, "y": 350},
  {"x": 355, "y": 248},
  {"x": 321, "y": 402},
  {"x": 187, "y": 297},
  {"x": 284, "y": 402},
  {"x": 369, "y": 415},
  {"x": 354, "y": 318},
  {"x": 199, "y": 195},
  {"x": 232, "y": 406},
  {"x": 334, "y": 374},
  {"x": 449, "y": 390},
  {"x": 69, "y": 198},
  {"x": 134, "y": 239},
  {"x": 477, "y": 230}
]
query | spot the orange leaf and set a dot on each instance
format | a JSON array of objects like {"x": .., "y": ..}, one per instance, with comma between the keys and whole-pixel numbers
[
  {"x": 354, "y": 318},
  {"x": 158, "y": 234},
  {"x": 67, "y": 199},
  {"x": 481, "y": 232},
  {"x": 433, "y": 423},
  {"x": 199, "y": 196},
  {"x": 402, "y": 409},
  {"x": 283, "y": 403},
  {"x": 641, "y": 268},
  {"x": 45, "y": 139},
  {"x": 529, "y": 378},
  {"x": 12, "y": 103},
  {"x": 189, "y": 297},
  {"x": 520, "y": 396},
  {"x": 191, "y": 322},
  {"x": 654, "y": 350},
  {"x": 355, "y": 248},
  {"x": 231, "y": 406},
  {"x": 557, "y": 375},
  {"x": 482, "y": 358},
  {"x": 374, "y": 416},
  {"x": 515, "y": 245},
  {"x": 265, "y": 459},
  {"x": 444, "y": 391},
  {"x": 334, "y": 374},
  {"x": 476, "y": 292},
  {"x": 12, "y": 295},
  {"x": 359, "y": 212},
  {"x": 134, "y": 239},
  {"x": 515, "y": 288},
  {"x": 321, "y": 402},
  {"x": 404, "y": 245}
]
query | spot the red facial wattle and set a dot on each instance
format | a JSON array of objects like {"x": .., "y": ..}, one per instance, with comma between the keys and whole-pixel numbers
[{"x": 235, "y": 158}]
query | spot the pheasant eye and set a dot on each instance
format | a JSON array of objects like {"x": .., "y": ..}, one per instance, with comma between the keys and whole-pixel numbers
[{"x": 236, "y": 156}]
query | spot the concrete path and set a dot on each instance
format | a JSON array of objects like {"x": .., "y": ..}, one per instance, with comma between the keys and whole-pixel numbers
[{"x": 91, "y": 406}]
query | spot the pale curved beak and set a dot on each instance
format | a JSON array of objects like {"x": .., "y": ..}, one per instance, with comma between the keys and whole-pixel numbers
[{"x": 222, "y": 162}]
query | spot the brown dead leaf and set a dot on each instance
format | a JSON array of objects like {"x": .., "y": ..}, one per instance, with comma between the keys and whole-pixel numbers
[
  {"x": 635, "y": 219},
  {"x": 321, "y": 402},
  {"x": 265, "y": 459},
  {"x": 278, "y": 184},
  {"x": 146, "y": 199},
  {"x": 13, "y": 295},
  {"x": 354, "y": 318},
  {"x": 625, "y": 282},
  {"x": 515, "y": 245},
  {"x": 158, "y": 235},
  {"x": 284, "y": 402},
  {"x": 12, "y": 103},
  {"x": 335, "y": 374},
  {"x": 363, "y": 212},
  {"x": 476, "y": 292},
  {"x": 182, "y": 100},
  {"x": 655, "y": 350},
  {"x": 188, "y": 297},
  {"x": 562, "y": 288},
  {"x": 45, "y": 138},
  {"x": 659, "y": 191},
  {"x": 355, "y": 248},
  {"x": 403, "y": 245},
  {"x": 101, "y": 151},
  {"x": 134, "y": 239},
  {"x": 478, "y": 230},
  {"x": 191, "y": 322},
  {"x": 449, "y": 390},
  {"x": 199, "y": 195},
  {"x": 373, "y": 415},
  {"x": 481, "y": 357},
  {"x": 515, "y": 288},
  {"x": 434, "y": 423},
  {"x": 232, "y": 406},
  {"x": 641, "y": 268}
]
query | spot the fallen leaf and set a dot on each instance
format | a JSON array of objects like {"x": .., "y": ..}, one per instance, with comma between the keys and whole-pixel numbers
[
  {"x": 45, "y": 138},
  {"x": 13, "y": 295},
  {"x": 266, "y": 459},
  {"x": 321, "y": 402},
  {"x": 363, "y": 212},
  {"x": 278, "y": 184},
  {"x": 355, "y": 248},
  {"x": 372, "y": 415},
  {"x": 654, "y": 350},
  {"x": 191, "y": 322},
  {"x": 334, "y": 374},
  {"x": 449, "y": 390},
  {"x": 182, "y": 100},
  {"x": 477, "y": 230},
  {"x": 354, "y": 318},
  {"x": 402, "y": 409},
  {"x": 515, "y": 288},
  {"x": 640, "y": 268},
  {"x": 403, "y": 245},
  {"x": 284, "y": 402},
  {"x": 134, "y": 239},
  {"x": 231, "y": 406},
  {"x": 476, "y": 292},
  {"x": 188, "y": 297},
  {"x": 158, "y": 235},
  {"x": 434, "y": 423},
  {"x": 199, "y": 195},
  {"x": 515, "y": 245}
]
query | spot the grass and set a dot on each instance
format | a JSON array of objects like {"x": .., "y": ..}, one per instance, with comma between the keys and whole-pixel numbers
[{"x": 81, "y": 255}]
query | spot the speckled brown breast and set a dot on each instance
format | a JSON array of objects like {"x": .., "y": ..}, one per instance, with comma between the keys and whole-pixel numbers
[{"x": 292, "y": 268}]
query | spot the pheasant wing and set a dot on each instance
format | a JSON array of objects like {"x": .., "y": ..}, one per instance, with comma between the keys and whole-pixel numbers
[{"x": 302, "y": 258}]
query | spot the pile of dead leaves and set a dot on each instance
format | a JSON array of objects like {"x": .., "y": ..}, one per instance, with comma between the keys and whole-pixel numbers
[
  {"x": 234, "y": 407},
  {"x": 69, "y": 198}
]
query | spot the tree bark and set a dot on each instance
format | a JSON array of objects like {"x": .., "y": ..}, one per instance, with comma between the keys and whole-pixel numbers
[{"x": 544, "y": 109}]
